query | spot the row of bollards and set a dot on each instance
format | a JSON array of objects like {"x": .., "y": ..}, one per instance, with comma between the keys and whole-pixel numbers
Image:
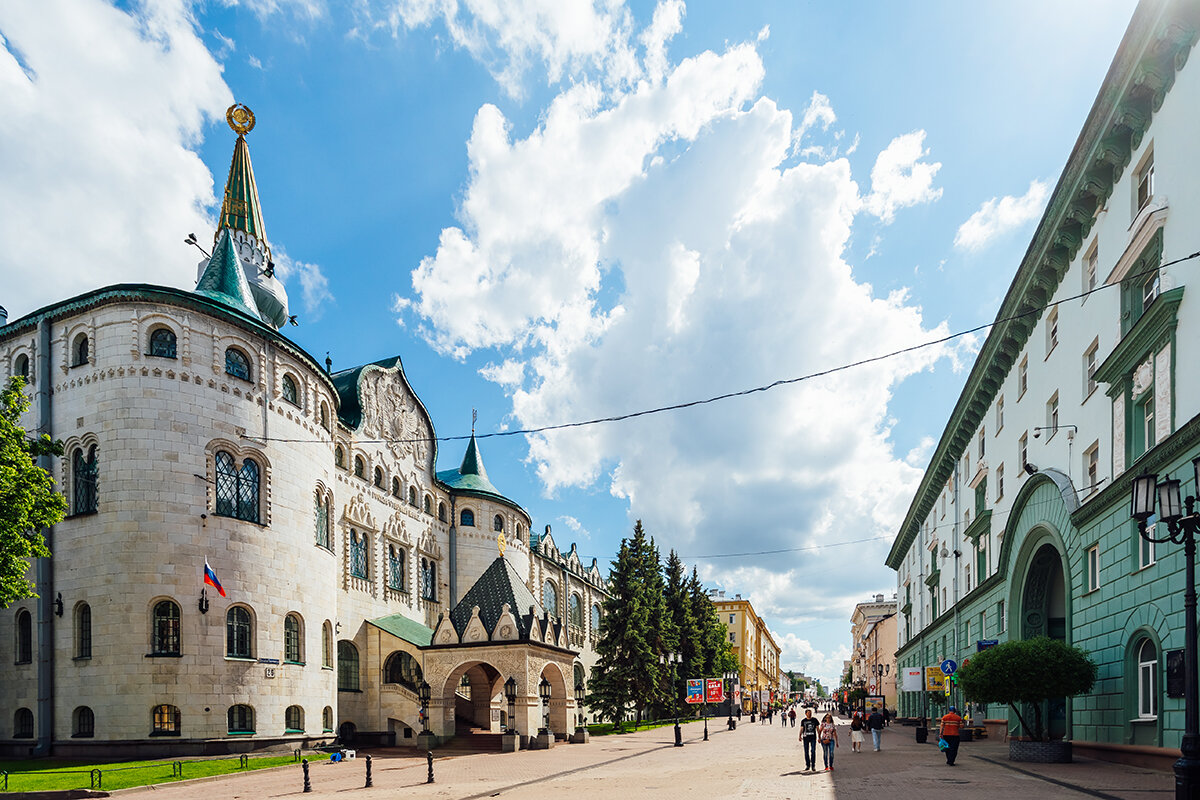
[{"x": 369, "y": 783}]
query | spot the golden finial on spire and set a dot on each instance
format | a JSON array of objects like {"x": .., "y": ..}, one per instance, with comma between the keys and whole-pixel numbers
[
  {"x": 240, "y": 118},
  {"x": 500, "y": 543}
]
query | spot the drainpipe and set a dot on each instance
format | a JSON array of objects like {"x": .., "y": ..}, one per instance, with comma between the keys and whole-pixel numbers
[
  {"x": 453, "y": 566},
  {"x": 955, "y": 533},
  {"x": 44, "y": 568}
]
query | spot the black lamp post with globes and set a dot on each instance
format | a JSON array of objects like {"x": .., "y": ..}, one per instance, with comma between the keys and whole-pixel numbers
[{"x": 1181, "y": 529}]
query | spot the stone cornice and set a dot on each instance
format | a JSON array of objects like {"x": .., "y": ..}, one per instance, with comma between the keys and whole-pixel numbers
[
  {"x": 1158, "y": 320},
  {"x": 1155, "y": 46},
  {"x": 979, "y": 526}
]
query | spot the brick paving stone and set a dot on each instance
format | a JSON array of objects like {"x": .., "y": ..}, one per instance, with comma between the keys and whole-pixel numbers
[{"x": 752, "y": 762}]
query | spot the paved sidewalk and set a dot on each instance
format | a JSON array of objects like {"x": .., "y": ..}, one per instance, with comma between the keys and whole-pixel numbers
[{"x": 752, "y": 762}]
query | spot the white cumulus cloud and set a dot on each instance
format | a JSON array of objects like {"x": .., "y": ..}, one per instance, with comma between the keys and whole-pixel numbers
[
  {"x": 1001, "y": 215},
  {"x": 900, "y": 178}
]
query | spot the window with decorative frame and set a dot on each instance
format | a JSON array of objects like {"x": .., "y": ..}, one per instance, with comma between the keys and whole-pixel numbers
[
  {"x": 1147, "y": 683},
  {"x": 401, "y": 668},
  {"x": 428, "y": 580},
  {"x": 85, "y": 469},
  {"x": 290, "y": 393},
  {"x": 1091, "y": 468},
  {"x": 164, "y": 630},
  {"x": 1093, "y": 568},
  {"x": 360, "y": 467},
  {"x": 467, "y": 518},
  {"x": 293, "y": 639},
  {"x": 358, "y": 554},
  {"x": 327, "y": 645},
  {"x": 237, "y": 487},
  {"x": 396, "y": 559},
  {"x": 498, "y": 523},
  {"x": 550, "y": 598},
  {"x": 21, "y": 366},
  {"x": 378, "y": 477},
  {"x": 239, "y": 633},
  {"x": 412, "y": 496},
  {"x": 79, "y": 351},
  {"x": 162, "y": 343},
  {"x": 395, "y": 486},
  {"x": 237, "y": 364},
  {"x": 324, "y": 533}
]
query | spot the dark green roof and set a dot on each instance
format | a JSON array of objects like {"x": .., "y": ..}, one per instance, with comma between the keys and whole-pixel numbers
[
  {"x": 471, "y": 477},
  {"x": 346, "y": 383},
  {"x": 499, "y": 584},
  {"x": 223, "y": 279},
  {"x": 240, "y": 208},
  {"x": 404, "y": 628}
]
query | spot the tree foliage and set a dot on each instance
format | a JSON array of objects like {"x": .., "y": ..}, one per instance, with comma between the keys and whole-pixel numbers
[
  {"x": 28, "y": 501},
  {"x": 1028, "y": 671}
]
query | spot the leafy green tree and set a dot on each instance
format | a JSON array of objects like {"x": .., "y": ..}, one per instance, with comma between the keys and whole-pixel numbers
[
  {"x": 1028, "y": 671},
  {"x": 28, "y": 501}
]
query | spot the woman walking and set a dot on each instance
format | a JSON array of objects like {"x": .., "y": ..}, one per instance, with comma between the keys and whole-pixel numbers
[
  {"x": 856, "y": 733},
  {"x": 827, "y": 735}
]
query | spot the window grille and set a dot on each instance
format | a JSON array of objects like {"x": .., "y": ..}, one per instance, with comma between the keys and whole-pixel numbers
[
  {"x": 358, "y": 554},
  {"x": 236, "y": 364},
  {"x": 237, "y": 633},
  {"x": 396, "y": 568},
  {"x": 291, "y": 639},
  {"x": 165, "y": 721},
  {"x": 165, "y": 635},
  {"x": 162, "y": 343},
  {"x": 85, "y": 470}
]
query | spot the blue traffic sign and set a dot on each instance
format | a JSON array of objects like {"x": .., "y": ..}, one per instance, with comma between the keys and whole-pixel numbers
[{"x": 949, "y": 667}]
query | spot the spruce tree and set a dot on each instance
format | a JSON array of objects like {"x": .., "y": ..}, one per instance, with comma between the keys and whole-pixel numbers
[
  {"x": 679, "y": 611},
  {"x": 652, "y": 686}
]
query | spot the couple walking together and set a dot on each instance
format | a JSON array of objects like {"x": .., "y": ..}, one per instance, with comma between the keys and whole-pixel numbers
[
  {"x": 873, "y": 723},
  {"x": 811, "y": 732}
]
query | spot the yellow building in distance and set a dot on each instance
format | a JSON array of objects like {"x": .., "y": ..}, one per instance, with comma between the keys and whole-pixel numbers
[{"x": 756, "y": 650}]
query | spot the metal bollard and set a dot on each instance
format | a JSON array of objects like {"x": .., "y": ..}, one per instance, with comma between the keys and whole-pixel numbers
[
  {"x": 176, "y": 769},
  {"x": 429, "y": 758},
  {"x": 368, "y": 785},
  {"x": 97, "y": 779},
  {"x": 307, "y": 783},
  {"x": 243, "y": 761},
  {"x": 706, "y": 729}
]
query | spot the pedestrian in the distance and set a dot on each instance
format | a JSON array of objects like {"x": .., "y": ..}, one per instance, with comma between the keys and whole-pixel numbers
[
  {"x": 856, "y": 733},
  {"x": 875, "y": 723},
  {"x": 808, "y": 737},
  {"x": 792, "y": 715},
  {"x": 827, "y": 734},
  {"x": 951, "y": 727}
]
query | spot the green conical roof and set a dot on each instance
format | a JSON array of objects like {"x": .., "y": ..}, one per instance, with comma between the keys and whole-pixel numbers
[
  {"x": 223, "y": 279},
  {"x": 471, "y": 478},
  {"x": 241, "y": 209},
  {"x": 472, "y": 463}
]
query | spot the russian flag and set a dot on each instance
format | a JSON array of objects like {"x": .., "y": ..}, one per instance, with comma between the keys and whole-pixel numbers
[{"x": 210, "y": 577}]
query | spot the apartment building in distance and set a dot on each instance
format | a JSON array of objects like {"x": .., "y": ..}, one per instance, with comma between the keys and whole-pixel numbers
[{"x": 755, "y": 648}]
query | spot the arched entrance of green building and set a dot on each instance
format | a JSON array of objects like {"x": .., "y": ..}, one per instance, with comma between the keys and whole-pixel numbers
[{"x": 1043, "y": 610}]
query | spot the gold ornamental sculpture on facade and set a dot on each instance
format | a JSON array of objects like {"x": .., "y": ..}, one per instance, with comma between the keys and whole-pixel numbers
[{"x": 240, "y": 118}]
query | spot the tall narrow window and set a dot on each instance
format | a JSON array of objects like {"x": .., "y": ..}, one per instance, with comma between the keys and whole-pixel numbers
[
  {"x": 1090, "y": 264},
  {"x": 290, "y": 393},
  {"x": 1144, "y": 182},
  {"x": 412, "y": 496},
  {"x": 347, "y": 667},
  {"x": 24, "y": 648},
  {"x": 1022, "y": 377},
  {"x": 396, "y": 567},
  {"x": 164, "y": 635},
  {"x": 324, "y": 416},
  {"x": 1000, "y": 618},
  {"x": 327, "y": 719},
  {"x": 442, "y": 512},
  {"x": 1091, "y": 468},
  {"x": 1093, "y": 567},
  {"x": 575, "y": 610},
  {"x": 1052, "y": 415},
  {"x": 1051, "y": 330},
  {"x": 241, "y": 719},
  {"x": 595, "y": 618},
  {"x": 1023, "y": 449},
  {"x": 236, "y": 364},
  {"x": 550, "y": 598},
  {"x": 428, "y": 580},
  {"x": 326, "y": 645},
  {"x": 339, "y": 457},
  {"x": 427, "y": 505},
  {"x": 23, "y": 724},
  {"x": 83, "y": 631},
  {"x": 79, "y": 351},
  {"x": 162, "y": 343},
  {"x": 247, "y": 507},
  {"x": 395, "y": 487},
  {"x": 237, "y": 490},
  {"x": 1147, "y": 680},
  {"x": 85, "y": 469},
  {"x": 1089, "y": 369},
  {"x": 378, "y": 478},
  {"x": 999, "y": 414},
  {"x": 498, "y": 523},
  {"x": 1147, "y": 554},
  {"x": 999, "y": 482},
  {"x": 321, "y": 510},
  {"x": 164, "y": 721},
  {"x": 360, "y": 467},
  {"x": 358, "y": 554},
  {"x": 83, "y": 723},
  {"x": 292, "y": 639},
  {"x": 982, "y": 441},
  {"x": 238, "y": 630},
  {"x": 22, "y": 366}
]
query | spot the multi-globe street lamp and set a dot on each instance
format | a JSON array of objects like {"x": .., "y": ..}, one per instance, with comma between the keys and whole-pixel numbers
[
  {"x": 673, "y": 660},
  {"x": 1181, "y": 529},
  {"x": 579, "y": 721},
  {"x": 510, "y": 694},
  {"x": 544, "y": 694},
  {"x": 730, "y": 678}
]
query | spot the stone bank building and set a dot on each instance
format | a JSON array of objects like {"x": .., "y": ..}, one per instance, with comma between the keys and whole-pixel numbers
[
  {"x": 196, "y": 432},
  {"x": 1021, "y": 526}
]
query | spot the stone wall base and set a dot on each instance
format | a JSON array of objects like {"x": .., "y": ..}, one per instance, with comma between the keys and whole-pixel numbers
[
  {"x": 1160, "y": 759},
  {"x": 1056, "y": 752},
  {"x": 168, "y": 747}
]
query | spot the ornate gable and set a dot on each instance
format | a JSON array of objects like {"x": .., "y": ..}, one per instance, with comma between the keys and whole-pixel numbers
[
  {"x": 358, "y": 514},
  {"x": 475, "y": 632},
  {"x": 391, "y": 412}
]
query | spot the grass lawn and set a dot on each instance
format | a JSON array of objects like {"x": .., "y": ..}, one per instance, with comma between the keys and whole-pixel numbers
[{"x": 43, "y": 775}]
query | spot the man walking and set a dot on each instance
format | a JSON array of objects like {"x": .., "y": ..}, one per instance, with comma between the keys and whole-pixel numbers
[
  {"x": 951, "y": 726},
  {"x": 808, "y": 736},
  {"x": 875, "y": 723}
]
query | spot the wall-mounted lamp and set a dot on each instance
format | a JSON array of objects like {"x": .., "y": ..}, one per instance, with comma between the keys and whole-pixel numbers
[
  {"x": 1031, "y": 468},
  {"x": 203, "y": 604},
  {"x": 1037, "y": 432},
  {"x": 58, "y": 605}
]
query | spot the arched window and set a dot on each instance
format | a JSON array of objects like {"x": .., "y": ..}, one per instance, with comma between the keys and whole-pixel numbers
[
  {"x": 467, "y": 518},
  {"x": 580, "y": 677},
  {"x": 412, "y": 496},
  {"x": 22, "y": 366},
  {"x": 396, "y": 567},
  {"x": 327, "y": 719},
  {"x": 428, "y": 506},
  {"x": 575, "y": 610},
  {"x": 293, "y": 719},
  {"x": 428, "y": 580},
  {"x": 79, "y": 350},
  {"x": 162, "y": 343},
  {"x": 23, "y": 724},
  {"x": 322, "y": 514},
  {"x": 358, "y": 554},
  {"x": 347, "y": 667},
  {"x": 518, "y": 531},
  {"x": 360, "y": 467},
  {"x": 238, "y": 633},
  {"x": 290, "y": 392},
  {"x": 241, "y": 719},
  {"x": 237, "y": 489},
  {"x": 237, "y": 364},
  {"x": 402, "y": 668},
  {"x": 379, "y": 477},
  {"x": 339, "y": 457},
  {"x": 327, "y": 645},
  {"x": 324, "y": 416},
  {"x": 84, "y": 471},
  {"x": 292, "y": 639},
  {"x": 164, "y": 721},
  {"x": 83, "y": 723},
  {"x": 1147, "y": 680},
  {"x": 24, "y": 637},
  {"x": 595, "y": 619},
  {"x": 83, "y": 631},
  {"x": 164, "y": 634},
  {"x": 395, "y": 487},
  {"x": 498, "y": 523},
  {"x": 442, "y": 511},
  {"x": 550, "y": 598}
]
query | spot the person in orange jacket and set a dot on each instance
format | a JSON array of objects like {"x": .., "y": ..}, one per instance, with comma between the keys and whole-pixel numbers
[{"x": 951, "y": 729}]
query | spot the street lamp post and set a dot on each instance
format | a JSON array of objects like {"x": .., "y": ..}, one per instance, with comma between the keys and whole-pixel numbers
[
  {"x": 510, "y": 694},
  {"x": 1181, "y": 529},
  {"x": 544, "y": 694},
  {"x": 423, "y": 694},
  {"x": 730, "y": 677},
  {"x": 673, "y": 660}
]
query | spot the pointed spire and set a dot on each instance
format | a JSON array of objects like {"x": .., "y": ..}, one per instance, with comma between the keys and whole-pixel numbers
[
  {"x": 472, "y": 463},
  {"x": 241, "y": 209},
  {"x": 223, "y": 279}
]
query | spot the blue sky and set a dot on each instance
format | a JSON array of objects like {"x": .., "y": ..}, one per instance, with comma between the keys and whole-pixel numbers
[{"x": 558, "y": 211}]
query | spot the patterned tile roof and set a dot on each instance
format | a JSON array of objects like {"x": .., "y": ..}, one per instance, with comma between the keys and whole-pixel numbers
[{"x": 499, "y": 584}]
